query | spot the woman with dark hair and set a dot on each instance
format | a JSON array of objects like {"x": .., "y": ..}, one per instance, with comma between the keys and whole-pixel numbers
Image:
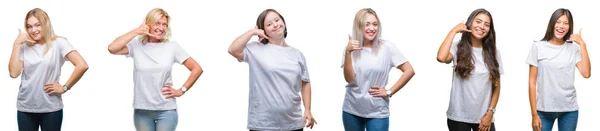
[
  {"x": 552, "y": 62},
  {"x": 477, "y": 70},
  {"x": 278, "y": 73}
]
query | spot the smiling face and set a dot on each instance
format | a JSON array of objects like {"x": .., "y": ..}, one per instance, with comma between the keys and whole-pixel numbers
[
  {"x": 561, "y": 27},
  {"x": 274, "y": 25},
  {"x": 371, "y": 27},
  {"x": 159, "y": 28},
  {"x": 480, "y": 26},
  {"x": 34, "y": 29}
]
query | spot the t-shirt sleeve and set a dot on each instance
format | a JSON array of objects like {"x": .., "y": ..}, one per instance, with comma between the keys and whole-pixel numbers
[
  {"x": 343, "y": 56},
  {"x": 22, "y": 53},
  {"x": 64, "y": 47},
  {"x": 180, "y": 54},
  {"x": 250, "y": 46},
  {"x": 397, "y": 58},
  {"x": 500, "y": 65},
  {"x": 577, "y": 54},
  {"x": 453, "y": 49},
  {"x": 305, "y": 77},
  {"x": 532, "y": 59},
  {"x": 131, "y": 46}
]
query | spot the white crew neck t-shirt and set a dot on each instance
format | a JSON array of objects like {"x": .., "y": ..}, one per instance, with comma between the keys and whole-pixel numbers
[
  {"x": 152, "y": 69},
  {"x": 38, "y": 70},
  {"x": 556, "y": 75},
  {"x": 470, "y": 98},
  {"x": 371, "y": 68},
  {"x": 276, "y": 75}
]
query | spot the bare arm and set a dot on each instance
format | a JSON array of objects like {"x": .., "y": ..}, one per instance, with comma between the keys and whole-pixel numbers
[
  {"x": 533, "y": 72},
  {"x": 444, "y": 55},
  {"x": 495, "y": 95},
  {"x": 306, "y": 95},
  {"x": 348, "y": 68},
  {"x": 15, "y": 65},
  {"x": 584, "y": 66},
  {"x": 80, "y": 68},
  {"x": 196, "y": 71},
  {"x": 119, "y": 45},
  {"x": 407, "y": 74},
  {"x": 236, "y": 49}
]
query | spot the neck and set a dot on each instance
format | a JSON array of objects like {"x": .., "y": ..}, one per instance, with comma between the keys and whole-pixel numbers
[
  {"x": 279, "y": 42},
  {"x": 367, "y": 43},
  {"x": 556, "y": 41},
  {"x": 153, "y": 40},
  {"x": 476, "y": 42},
  {"x": 41, "y": 41}
]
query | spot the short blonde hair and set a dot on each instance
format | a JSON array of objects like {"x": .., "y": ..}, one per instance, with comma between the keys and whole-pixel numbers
[
  {"x": 154, "y": 16},
  {"x": 359, "y": 25},
  {"x": 44, "y": 20}
]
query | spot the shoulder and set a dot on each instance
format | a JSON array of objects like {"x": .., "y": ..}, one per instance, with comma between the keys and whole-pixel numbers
[{"x": 60, "y": 40}]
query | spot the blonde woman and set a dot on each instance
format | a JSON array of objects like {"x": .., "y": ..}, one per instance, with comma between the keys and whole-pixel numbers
[
  {"x": 38, "y": 55},
  {"x": 278, "y": 74},
  {"x": 367, "y": 63},
  {"x": 153, "y": 57}
]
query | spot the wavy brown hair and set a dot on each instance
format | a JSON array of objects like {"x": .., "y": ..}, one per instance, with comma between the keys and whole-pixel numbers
[{"x": 464, "y": 58}]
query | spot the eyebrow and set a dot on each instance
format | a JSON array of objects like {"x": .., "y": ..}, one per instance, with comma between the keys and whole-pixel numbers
[{"x": 482, "y": 20}]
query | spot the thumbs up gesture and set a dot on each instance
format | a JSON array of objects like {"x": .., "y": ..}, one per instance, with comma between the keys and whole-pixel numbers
[
  {"x": 23, "y": 38},
  {"x": 352, "y": 45},
  {"x": 576, "y": 37}
]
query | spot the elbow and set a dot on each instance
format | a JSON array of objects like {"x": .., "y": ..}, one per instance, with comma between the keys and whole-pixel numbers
[
  {"x": 587, "y": 75},
  {"x": 112, "y": 51},
  {"x": 442, "y": 60},
  {"x": 82, "y": 67},
  {"x": 14, "y": 75}
]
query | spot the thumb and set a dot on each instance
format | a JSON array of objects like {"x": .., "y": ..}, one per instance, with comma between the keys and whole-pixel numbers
[
  {"x": 19, "y": 30},
  {"x": 580, "y": 30}
]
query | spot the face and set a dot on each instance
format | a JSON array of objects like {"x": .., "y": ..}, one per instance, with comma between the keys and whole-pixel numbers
[
  {"x": 480, "y": 26},
  {"x": 561, "y": 27},
  {"x": 371, "y": 27},
  {"x": 34, "y": 28},
  {"x": 159, "y": 28},
  {"x": 274, "y": 26}
]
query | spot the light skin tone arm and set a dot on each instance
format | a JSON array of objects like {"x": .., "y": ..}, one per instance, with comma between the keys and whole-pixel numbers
[
  {"x": 536, "y": 123},
  {"x": 486, "y": 121},
  {"x": 236, "y": 49},
  {"x": 584, "y": 65},
  {"x": 196, "y": 71},
  {"x": 407, "y": 74},
  {"x": 81, "y": 67},
  {"x": 118, "y": 46},
  {"x": 309, "y": 121},
  {"x": 348, "y": 68},
  {"x": 444, "y": 55},
  {"x": 15, "y": 64}
]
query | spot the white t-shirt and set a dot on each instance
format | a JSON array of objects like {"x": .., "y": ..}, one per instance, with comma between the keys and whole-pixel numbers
[
  {"x": 556, "y": 75},
  {"x": 470, "y": 98},
  {"x": 39, "y": 69},
  {"x": 152, "y": 64},
  {"x": 276, "y": 75},
  {"x": 371, "y": 68}
]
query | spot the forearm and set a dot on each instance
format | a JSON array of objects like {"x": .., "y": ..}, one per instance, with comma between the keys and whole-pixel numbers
[
  {"x": 237, "y": 46},
  {"x": 78, "y": 72},
  {"x": 444, "y": 50},
  {"x": 121, "y": 41},
  {"x": 495, "y": 96},
  {"x": 14, "y": 65},
  {"x": 585, "y": 61},
  {"x": 306, "y": 95},
  {"x": 348, "y": 68},
  {"x": 406, "y": 76},
  {"x": 532, "y": 99},
  {"x": 194, "y": 75}
]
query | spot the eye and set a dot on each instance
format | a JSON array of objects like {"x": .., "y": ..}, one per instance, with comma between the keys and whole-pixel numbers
[{"x": 165, "y": 25}]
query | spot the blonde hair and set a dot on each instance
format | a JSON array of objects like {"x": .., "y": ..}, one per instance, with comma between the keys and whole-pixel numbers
[
  {"x": 154, "y": 16},
  {"x": 359, "y": 25},
  {"x": 48, "y": 32}
]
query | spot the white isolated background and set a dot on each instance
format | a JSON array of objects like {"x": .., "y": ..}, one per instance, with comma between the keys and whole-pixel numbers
[{"x": 102, "y": 100}]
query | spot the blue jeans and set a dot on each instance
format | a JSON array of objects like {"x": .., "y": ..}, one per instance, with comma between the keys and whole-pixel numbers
[
  {"x": 51, "y": 121},
  {"x": 357, "y": 123},
  {"x": 150, "y": 120},
  {"x": 567, "y": 121}
]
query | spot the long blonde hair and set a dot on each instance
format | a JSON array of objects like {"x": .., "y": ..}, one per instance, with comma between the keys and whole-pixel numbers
[
  {"x": 47, "y": 30},
  {"x": 154, "y": 16},
  {"x": 359, "y": 25}
]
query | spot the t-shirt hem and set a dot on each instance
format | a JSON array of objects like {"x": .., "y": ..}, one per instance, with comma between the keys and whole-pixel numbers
[
  {"x": 274, "y": 128},
  {"x": 558, "y": 110},
  {"x": 153, "y": 108},
  {"x": 39, "y": 110},
  {"x": 366, "y": 116},
  {"x": 464, "y": 120}
]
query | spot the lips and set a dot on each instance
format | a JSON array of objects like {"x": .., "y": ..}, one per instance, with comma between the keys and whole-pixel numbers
[{"x": 158, "y": 32}]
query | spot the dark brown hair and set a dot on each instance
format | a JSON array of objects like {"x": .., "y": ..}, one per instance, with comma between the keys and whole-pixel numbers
[
  {"x": 550, "y": 30},
  {"x": 464, "y": 58},
  {"x": 260, "y": 23}
]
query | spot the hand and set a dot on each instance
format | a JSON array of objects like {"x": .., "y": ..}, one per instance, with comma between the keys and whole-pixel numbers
[
  {"x": 377, "y": 91},
  {"x": 309, "y": 120},
  {"x": 486, "y": 121},
  {"x": 169, "y": 92},
  {"x": 536, "y": 123},
  {"x": 259, "y": 32},
  {"x": 53, "y": 88},
  {"x": 144, "y": 29},
  {"x": 23, "y": 38},
  {"x": 460, "y": 28},
  {"x": 352, "y": 45},
  {"x": 576, "y": 37}
]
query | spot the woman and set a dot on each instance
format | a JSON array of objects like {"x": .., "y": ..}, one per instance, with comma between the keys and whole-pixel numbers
[
  {"x": 153, "y": 57},
  {"x": 477, "y": 70},
  {"x": 552, "y": 62},
  {"x": 38, "y": 54},
  {"x": 277, "y": 74},
  {"x": 367, "y": 64}
]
